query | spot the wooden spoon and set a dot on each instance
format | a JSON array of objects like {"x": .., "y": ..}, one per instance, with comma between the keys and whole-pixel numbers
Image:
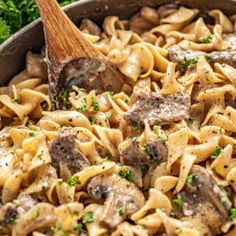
[{"x": 72, "y": 60}]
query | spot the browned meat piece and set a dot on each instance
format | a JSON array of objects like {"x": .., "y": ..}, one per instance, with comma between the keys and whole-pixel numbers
[
  {"x": 155, "y": 152},
  {"x": 167, "y": 9},
  {"x": 36, "y": 66},
  {"x": 65, "y": 156},
  {"x": 228, "y": 56},
  {"x": 204, "y": 200},
  {"x": 133, "y": 155},
  {"x": 177, "y": 54},
  {"x": 145, "y": 20},
  {"x": 158, "y": 109},
  {"x": 122, "y": 198},
  {"x": 90, "y": 27}
]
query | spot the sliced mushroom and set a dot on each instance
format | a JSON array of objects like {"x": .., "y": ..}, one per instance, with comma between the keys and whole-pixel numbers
[
  {"x": 122, "y": 198},
  {"x": 65, "y": 156},
  {"x": 143, "y": 21},
  {"x": 204, "y": 200},
  {"x": 167, "y": 9},
  {"x": 36, "y": 66},
  {"x": 90, "y": 27}
]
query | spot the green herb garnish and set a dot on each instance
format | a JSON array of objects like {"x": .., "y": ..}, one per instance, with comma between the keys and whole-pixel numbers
[
  {"x": 88, "y": 218},
  {"x": 36, "y": 213},
  {"x": 217, "y": 152},
  {"x": 73, "y": 180},
  {"x": 122, "y": 211},
  {"x": 186, "y": 63},
  {"x": 32, "y": 134},
  {"x": 78, "y": 228},
  {"x": 95, "y": 105},
  {"x": 189, "y": 179},
  {"x": 179, "y": 201},
  {"x": 206, "y": 39},
  {"x": 146, "y": 150},
  {"x": 63, "y": 95},
  {"x": 232, "y": 214},
  {"x": 126, "y": 174}
]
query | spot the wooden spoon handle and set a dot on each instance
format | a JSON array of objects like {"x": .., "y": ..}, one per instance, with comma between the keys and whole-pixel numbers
[{"x": 58, "y": 28}]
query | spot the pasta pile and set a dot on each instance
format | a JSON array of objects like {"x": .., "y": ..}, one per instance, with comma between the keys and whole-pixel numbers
[{"x": 96, "y": 168}]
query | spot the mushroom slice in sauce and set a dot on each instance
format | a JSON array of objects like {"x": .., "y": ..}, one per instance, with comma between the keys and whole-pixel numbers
[
  {"x": 65, "y": 156},
  {"x": 159, "y": 109},
  {"x": 204, "y": 199},
  {"x": 132, "y": 154},
  {"x": 90, "y": 27},
  {"x": 122, "y": 198},
  {"x": 36, "y": 67}
]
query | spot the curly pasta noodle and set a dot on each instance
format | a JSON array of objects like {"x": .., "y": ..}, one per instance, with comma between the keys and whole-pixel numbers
[{"x": 157, "y": 158}]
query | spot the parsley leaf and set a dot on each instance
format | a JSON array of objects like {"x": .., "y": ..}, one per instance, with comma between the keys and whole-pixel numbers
[
  {"x": 186, "y": 63},
  {"x": 232, "y": 214},
  {"x": 122, "y": 211},
  {"x": 189, "y": 179},
  {"x": 95, "y": 105},
  {"x": 137, "y": 126},
  {"x": 126, "y": 174},
  {"x": 206, "y": 39},
  {"x": 63, "y": 95},
  {"x": 4, "y": 30},
  {"x": 217, "y": 152},
  {"x": 178, "y": 201},
  {"x": 88, "y": 218}
]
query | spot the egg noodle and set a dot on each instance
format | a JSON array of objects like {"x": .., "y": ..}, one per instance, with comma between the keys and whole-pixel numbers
[{"x": 190, "y": 191}]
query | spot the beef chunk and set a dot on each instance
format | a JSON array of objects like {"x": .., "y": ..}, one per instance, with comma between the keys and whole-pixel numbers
[
  {"x": 203, "y": 199},
  {"x": 133, "y": 155},
  {"x": 90, "y": 27},
  {"x": 155, "y": 152},
  {"x": 158, "y": 109},
  {"x": 228, "y": 56},
  {"x": 145, "y": 20},
  {"x": 64, "y": 152}
]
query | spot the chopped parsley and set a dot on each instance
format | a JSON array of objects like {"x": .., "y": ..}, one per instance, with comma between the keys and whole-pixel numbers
[
  {"x": 72, "y": 181},
  {"x": 232, "y": 214},
  {"x": 32, "y": 134},
  {"x": 206, "y": 39},
  {"x": 179, "y": 201},
  {"x": 186, "y": 63},
  {"x": 217, "y": 152},
  {"x": 163, "y": 140},
  {"x": 137, "y": 126},
  {"x": 78, "y": 228},
  {"x": 189, "y": 179},
  {"x": 63, "y": 95},
  {"x": 36, "y": 213},
  {"x": 83, "y": 108},
  {"x": 126, "y": 174},
  {"x": 95, "y": 105},
  {"x": 88, "y": 218},
  {"x": 54, "y": 102},
  {"x": 122, "y": 211},
  {"x": 105, "y": 158}
]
